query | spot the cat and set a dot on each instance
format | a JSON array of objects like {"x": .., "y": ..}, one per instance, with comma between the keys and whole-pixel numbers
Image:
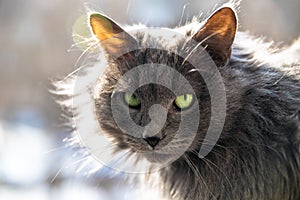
[{"x": 256, "y": 156}]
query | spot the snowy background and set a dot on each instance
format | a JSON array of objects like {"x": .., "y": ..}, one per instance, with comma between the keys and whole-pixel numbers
[{"x": 35, "y": 47}]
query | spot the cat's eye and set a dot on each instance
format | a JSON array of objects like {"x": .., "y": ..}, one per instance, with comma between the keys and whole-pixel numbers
[
  {"x": 184, "y": 101},
  {"x": 132, "y": 100}
]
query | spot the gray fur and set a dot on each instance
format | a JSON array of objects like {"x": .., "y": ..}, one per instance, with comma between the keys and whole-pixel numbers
[{"x": 258, "y": 154}]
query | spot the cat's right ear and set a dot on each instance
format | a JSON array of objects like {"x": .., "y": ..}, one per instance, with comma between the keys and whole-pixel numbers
[
  {"x": 217, "y": 34},
  {"x": 113, "y": 39}
]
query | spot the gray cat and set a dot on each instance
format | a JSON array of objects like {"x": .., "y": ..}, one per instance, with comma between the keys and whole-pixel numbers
[{"x": 257, "y": 155}]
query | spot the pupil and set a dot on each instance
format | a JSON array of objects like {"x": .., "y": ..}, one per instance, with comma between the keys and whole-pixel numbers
[{"x": 185, "y": 97}]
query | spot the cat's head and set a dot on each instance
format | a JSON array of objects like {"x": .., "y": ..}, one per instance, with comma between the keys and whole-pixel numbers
[{"x": 155, "y": 110}]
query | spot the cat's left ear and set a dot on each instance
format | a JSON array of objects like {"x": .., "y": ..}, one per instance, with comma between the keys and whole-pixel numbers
[
  {"x": 217, "y": 35},
  {"x": 113, "y": 39}
]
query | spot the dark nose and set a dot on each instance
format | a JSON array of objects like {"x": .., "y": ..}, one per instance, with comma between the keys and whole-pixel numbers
[{"x": 152, "y": 141}]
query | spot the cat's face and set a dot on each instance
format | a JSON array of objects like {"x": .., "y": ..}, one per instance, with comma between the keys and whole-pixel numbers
[{"x": 157, "y": 138}]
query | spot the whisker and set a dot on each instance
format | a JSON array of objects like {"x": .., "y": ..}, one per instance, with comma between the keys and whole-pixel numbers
[
  {"x": 54, "y": 150},
  {"x": 85, "y": 51},
  {"x": 196, "y": 47},
  {"x": 128, "y": 6},
  {"x": 221, "y": 154},
  {"x": 183, "y": 11},
  {"x": 197, "y": 173},
  {"x": 67, "y": 166},
  {"x": 218, "y": 168}
]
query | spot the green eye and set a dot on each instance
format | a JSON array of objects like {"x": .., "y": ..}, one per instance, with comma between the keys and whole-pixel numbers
[
  {"x": 184, "y": 101},
  {"x": 132, "y": 100}
]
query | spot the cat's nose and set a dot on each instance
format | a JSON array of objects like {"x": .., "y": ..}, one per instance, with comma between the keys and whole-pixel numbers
[{"x": 152, "y": 141}]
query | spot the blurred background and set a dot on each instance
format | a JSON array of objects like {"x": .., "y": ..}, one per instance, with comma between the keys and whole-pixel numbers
[{"x": 36, "y": 47}]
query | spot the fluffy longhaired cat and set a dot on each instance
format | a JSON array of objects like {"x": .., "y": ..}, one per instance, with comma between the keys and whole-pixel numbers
[{"x": 257, "y": 155}]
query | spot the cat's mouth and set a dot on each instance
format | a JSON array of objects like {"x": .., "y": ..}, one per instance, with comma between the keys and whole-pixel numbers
[
  {"x": 161, "y": 151},
  {"x": 158, "y": 155},
  {"x": 149, "y": 144}
]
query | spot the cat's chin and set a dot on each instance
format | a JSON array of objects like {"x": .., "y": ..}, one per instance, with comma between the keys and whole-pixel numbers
[{"x": 158, "y": 158}]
